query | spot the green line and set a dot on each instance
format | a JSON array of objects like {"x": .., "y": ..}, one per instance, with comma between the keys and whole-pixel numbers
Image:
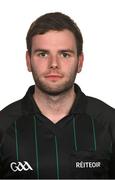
[
  {"x": 17, "y": 147},
  {"x": 74, "y": 133},
  {"x": 36, "y": 144},
  {"x": 94, "y": 134},
  {"x": 111, "y": 147},
  {"x": 57, "y": 158}
]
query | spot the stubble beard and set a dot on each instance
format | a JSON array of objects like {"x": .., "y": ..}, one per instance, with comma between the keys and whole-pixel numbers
[{"x": 54, "y": 90}]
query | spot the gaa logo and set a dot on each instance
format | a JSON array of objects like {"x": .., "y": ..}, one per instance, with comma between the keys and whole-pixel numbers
[{"x": 19, "y": 166}]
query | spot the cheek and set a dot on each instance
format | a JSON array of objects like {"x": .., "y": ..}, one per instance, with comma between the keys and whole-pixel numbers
[
  {"x": 70, "y": 67},
  {"x": 39, "y": 66}
]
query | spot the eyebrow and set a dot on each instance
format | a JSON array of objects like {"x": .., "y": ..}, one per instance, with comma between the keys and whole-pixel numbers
[
  {"x": 67, "y": 50},
  {"x": 41, "y": 50},
  {"x": 61, "y": 50}
]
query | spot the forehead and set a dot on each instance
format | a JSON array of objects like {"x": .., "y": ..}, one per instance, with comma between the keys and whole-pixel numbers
[{"x": 54, "y": 39}]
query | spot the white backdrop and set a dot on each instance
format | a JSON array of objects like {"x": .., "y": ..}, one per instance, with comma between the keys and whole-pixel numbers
[{"x": 96, "y": 19}]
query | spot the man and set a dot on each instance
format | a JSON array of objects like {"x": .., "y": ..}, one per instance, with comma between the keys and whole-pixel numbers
[{"x": 56, "y": 131}]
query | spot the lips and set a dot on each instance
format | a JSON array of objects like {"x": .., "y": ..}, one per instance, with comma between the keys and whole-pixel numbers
[{"x": 53, "y": 76}]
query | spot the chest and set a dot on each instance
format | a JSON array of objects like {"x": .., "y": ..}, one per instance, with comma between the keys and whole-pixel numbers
[{"x": 39, "y": 148}]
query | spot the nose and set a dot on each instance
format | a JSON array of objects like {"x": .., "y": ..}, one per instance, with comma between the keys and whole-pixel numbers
[{"x": 54, "y": 62}]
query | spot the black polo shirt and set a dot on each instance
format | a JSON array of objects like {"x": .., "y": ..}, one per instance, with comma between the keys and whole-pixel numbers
[{"x": 81, "y": 145}]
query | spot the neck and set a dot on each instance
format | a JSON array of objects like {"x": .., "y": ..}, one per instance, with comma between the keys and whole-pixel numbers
[{"x": 54, "y": 107}]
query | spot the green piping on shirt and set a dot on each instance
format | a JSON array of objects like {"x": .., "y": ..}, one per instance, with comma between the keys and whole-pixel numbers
[
  {"x": 16, "y": 139},
  {"x": 74, "y": 134},
  {"x": 36, "y": 147},
  {"x": 57, "y": 158},
  {"x": 94, "y": 134}
]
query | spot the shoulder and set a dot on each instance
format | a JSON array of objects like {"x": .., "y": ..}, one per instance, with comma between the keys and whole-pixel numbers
[
  {"x": 97, "y": 103},
  {"x": 10, "y": 114},
  {"x": 16, "y": 110},
  {"x": 103, "y": 114},
  {"x": 98, "y": 108}
]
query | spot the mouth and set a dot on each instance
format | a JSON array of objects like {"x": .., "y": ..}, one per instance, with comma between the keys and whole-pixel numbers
[{"x": 53, "y": 77}]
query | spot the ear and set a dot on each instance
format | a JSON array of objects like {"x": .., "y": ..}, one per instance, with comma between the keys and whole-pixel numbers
[
  {"x": 28, "y": 61},
  {"x": 80, "y": 62}
]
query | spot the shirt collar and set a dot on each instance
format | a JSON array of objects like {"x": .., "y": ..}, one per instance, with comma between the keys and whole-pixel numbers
[
  {"x": 29, "y": 106},
  {"x": 80, "y": 102}
]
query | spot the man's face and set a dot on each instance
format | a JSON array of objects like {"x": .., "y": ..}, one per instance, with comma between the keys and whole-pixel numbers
[{"x": 54, "y": 62}]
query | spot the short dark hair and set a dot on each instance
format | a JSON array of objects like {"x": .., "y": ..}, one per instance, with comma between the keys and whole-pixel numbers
[{"x": 54, "y": 21}]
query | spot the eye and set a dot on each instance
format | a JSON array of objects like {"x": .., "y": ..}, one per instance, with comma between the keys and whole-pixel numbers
[
  {"x": 65, "y": 55},
  {"x": 42, "y": 54}
]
